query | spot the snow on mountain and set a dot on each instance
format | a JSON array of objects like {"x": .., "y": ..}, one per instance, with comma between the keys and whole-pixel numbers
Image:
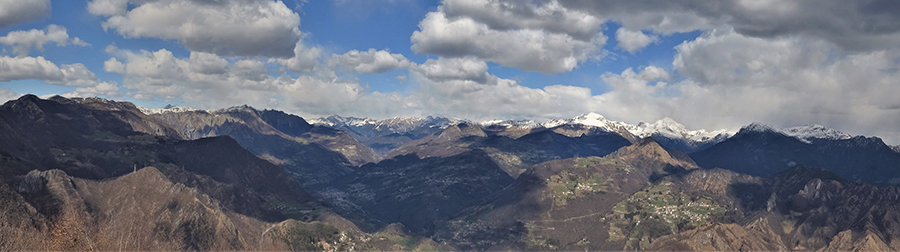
[
  {"x": 335, "y": 120},
  {"x": 666, "y": 127},
  {"x": 758, "y": 127},
  {"x": 590, "y": 119},
  {"x": 666, "y": 130},
  {"x": 528, "y": 124},
  {"x": 392, "y": 125},
  {"x": 805, "y": 133},
  {"x": 597, "y": 120},
  {"x": 167, "y": 109},
  {"x": 815, "y": 131},
  {"x": 669, "y": 128}
]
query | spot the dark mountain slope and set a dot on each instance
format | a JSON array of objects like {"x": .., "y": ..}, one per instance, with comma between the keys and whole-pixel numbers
[
  {"x": 761, "y": 151},
  {"x": 289, "y": 124},
  {"x": 311, "y": 164},
  {"x": 239, "y": 179},
  {"x": 82, "y": 138},
  {"x": 245, "y": 124},
  {"x": 418, "y": 193},
  {"x": 513, "y": 155}
]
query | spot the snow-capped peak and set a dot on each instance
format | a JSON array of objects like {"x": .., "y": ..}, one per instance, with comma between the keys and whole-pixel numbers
[
  {"x": 815, "y": 131},
  {"x": 167, "y": 109},
  {"x": 758, "y": 127},
  {"x": 592, "y": 119},
  {"x": 589, "y": 119},
  {"x": 804, "y": 133},
  {"x": 337, "y": 120},
  {"x": 395, "y": 124},
  {"x": 528, "y": 124},
  {"x": 670, "y": 128}
]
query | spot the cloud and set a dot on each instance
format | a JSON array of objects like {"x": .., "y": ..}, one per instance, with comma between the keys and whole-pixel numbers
[
  {"x": 28, "y": 68},
  {"x": 516, "y": 15},
  {"x": 205, "y": 80},
  {"x": 24, "y": 68},
  {"x": 444, "y": 86},
  {"x": 541, "y": 38},
  {"x": 852, "y": 25},
  {"x": 506, "y": 99},
  {"x": 226, "y": 28},
  {"x": 206, "y": 63},
  {"x": 23, "y": 41},
  {"x": 78, "y": 42},
  {"x": 114, "y": 66},
  {"x": 7, "y": 94},
  {"x": 371, "y": 61},
  {"x": 633, "y": 41},
  {"x": 72, "y": 75},
  {"x": 14, "y": 12},
  {"x": 107, "y": 89},
  {"x": 107, "y": 7},
  {"x": 305, "y": 60},
  {"x": 456, "y": 69},
  {"x": 441, "y": 69}
]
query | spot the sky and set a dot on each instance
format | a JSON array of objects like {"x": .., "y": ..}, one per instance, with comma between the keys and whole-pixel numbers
[{"x": 705, "y": 64}]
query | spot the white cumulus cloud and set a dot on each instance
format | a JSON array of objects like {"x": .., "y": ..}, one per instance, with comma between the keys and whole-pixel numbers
[
  {"x": 371, "y": 61},
  {"x": 23, "y": 41},
  {"x": 226, "y": 28},
  {"x": 13, "y": 12},
  {"x": 7, "y": 94},
  {"x": 545, "y": 38},
  {"x": 633, "y": 41}
]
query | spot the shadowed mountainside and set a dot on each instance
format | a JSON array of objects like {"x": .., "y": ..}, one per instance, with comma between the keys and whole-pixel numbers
[
  {"x": 764, "y": 152},
  {"x": 418, "y": 193},
  {"x": 293, "y": 145},
  {"x": 513, "y": 155}
]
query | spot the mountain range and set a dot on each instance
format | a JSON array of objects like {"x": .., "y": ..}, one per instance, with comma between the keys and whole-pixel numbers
[{"x": 96, "y": 174}]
